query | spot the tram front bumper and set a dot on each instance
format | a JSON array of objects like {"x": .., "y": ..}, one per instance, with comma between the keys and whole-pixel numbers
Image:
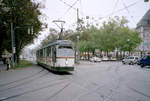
[{"x": 62, "y": 69}]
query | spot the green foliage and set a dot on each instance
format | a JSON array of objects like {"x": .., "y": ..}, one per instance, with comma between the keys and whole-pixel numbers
[
  {"x": 87, "y": 40},
  {"x": 22, "y": 64},
  {"x": 113, "y": 34},
  {"x": 21, "y": 13},
  {"x": 130, "y": 40},
  {"x": 53, "y": 35}
]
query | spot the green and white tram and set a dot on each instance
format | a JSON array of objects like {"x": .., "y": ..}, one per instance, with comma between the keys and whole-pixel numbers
[{"x": 57, "y": 56}]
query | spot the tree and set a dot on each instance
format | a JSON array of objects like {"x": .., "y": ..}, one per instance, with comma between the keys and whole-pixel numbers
[
  {"x": 53, "y": 35},
  {"x": 130, "y": 40},
  {"x": 20, "y": 13},
  {"x": 113, "y": 34}
]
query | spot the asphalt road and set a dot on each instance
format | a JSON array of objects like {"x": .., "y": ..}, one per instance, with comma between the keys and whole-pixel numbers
[{"x": 105, "y": 81}]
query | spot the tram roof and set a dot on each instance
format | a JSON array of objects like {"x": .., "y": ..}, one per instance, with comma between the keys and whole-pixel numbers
[{"x": 59, "y": 42}]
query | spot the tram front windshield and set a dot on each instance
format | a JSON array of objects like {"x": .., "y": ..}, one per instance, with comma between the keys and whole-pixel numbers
[{"x": 65, "y": 51}]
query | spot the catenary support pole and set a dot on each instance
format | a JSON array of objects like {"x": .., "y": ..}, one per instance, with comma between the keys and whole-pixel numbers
[{"x": 12, "y": 43}]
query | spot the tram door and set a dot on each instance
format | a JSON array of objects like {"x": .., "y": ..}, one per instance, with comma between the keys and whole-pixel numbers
[{"x": 54, "y": 55}]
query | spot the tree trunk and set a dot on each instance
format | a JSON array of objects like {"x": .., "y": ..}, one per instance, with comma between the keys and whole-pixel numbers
[
  {"x": 129, "y": 53},
  {"x": 93, "y": 53},
  {"x": 107, "y": 53},
  {"x": 18, "y": 59},
  {"x": 88, "y": 55}
]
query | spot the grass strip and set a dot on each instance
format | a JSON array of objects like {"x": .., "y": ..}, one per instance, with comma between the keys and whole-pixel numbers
[{"x": 22, "y": 64}]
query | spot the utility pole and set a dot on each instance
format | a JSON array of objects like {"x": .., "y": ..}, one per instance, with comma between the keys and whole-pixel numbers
[
  {"x": 78, "y": 32},
  {"x": 13, "y": 39},
  {"x": 12, "y": 43},
  {"x": 59, "y": 26}
]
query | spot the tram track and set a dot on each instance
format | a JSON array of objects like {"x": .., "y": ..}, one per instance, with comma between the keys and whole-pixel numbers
[
  {"x": 35, "y": 90},
  {"x": 125, "y": 72},
  {"x": 91, "y": 90},
  {"x": 138, "y": 92},
  {"x": 56, "y": 93},
  {"x": 118, "y": 79},
  {"x": 103, "y": 97},
  {"x": 86, "y": 93},
  {"x": 27, "y": 81},
  {"x": 115, "y": 78},
  {"x": 61, "y": 79},
  {"x": 5, "y": 84},
  {"x": 139, "y": 71}
]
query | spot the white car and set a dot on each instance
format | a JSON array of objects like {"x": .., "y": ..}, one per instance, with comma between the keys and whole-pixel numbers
[
  {"x": 130, "y": 60},
  {"x": 105, "y": 58},
  {"x": 95, "y": 59}
]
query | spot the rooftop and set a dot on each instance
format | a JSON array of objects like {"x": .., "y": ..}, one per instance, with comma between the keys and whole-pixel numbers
[{"x": 145, "y": 21}]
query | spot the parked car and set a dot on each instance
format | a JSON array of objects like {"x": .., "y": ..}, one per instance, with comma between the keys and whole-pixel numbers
[
  {"x": 95, "y": 59},
  {"x": 131, "y": 60},
  {"x": 138, "y": 62},
  {"x": 145, "y": 61},
  {"x": 105, "y": 58}
]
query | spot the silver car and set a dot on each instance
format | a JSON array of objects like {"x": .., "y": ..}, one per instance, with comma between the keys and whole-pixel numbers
[
  {"x": 95, "y": 59},
  {"x": 130, "y": 60}
]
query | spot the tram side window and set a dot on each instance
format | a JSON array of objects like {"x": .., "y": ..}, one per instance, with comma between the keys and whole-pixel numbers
[
  {"x": 44, "y": 52},
  {"x": 41, "y": 53},
  {"x": 54, "y": 54},
  {"x": 48, "y": 51},
  {"x": 37, "y": 54}
]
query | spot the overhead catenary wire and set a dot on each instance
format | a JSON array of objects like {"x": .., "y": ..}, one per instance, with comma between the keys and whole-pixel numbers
[
  {"x": 116, "y": 3},
  {"x": 67, "y": 4},
  {"x": 114, "y": 11},
  {"x": 81, "y": 8},
  {"x": 128, "y": 11},
  {"x": 119, "y": 10},
  {"x": 71, "y": 6},
  {"x": 122, "y": 9}
]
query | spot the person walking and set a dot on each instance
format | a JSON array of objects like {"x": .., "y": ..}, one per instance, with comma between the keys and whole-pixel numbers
[{"x": 8, "y": 63}]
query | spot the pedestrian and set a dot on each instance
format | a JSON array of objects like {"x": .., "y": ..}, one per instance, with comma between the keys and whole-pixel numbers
[{"x": 8, "y": 63}]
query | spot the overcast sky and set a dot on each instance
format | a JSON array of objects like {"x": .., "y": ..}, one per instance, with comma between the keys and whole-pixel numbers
[{"x": 59, "y": 9}]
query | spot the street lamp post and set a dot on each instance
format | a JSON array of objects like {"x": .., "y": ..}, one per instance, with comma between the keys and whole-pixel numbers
[
  {"x": 13, "y": 39},
  {"x": 87, "y": 25},
  {"x": 78, "y": 50},
  {"x": 128, "y": 41},
  {"x": 12, "y": 44}
]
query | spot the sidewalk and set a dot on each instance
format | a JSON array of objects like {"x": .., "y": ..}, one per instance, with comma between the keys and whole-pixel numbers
[{"x": 2, "y": 66}]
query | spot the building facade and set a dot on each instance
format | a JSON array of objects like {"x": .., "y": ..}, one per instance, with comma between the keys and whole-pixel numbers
[{"x": 143, "y": 27}]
